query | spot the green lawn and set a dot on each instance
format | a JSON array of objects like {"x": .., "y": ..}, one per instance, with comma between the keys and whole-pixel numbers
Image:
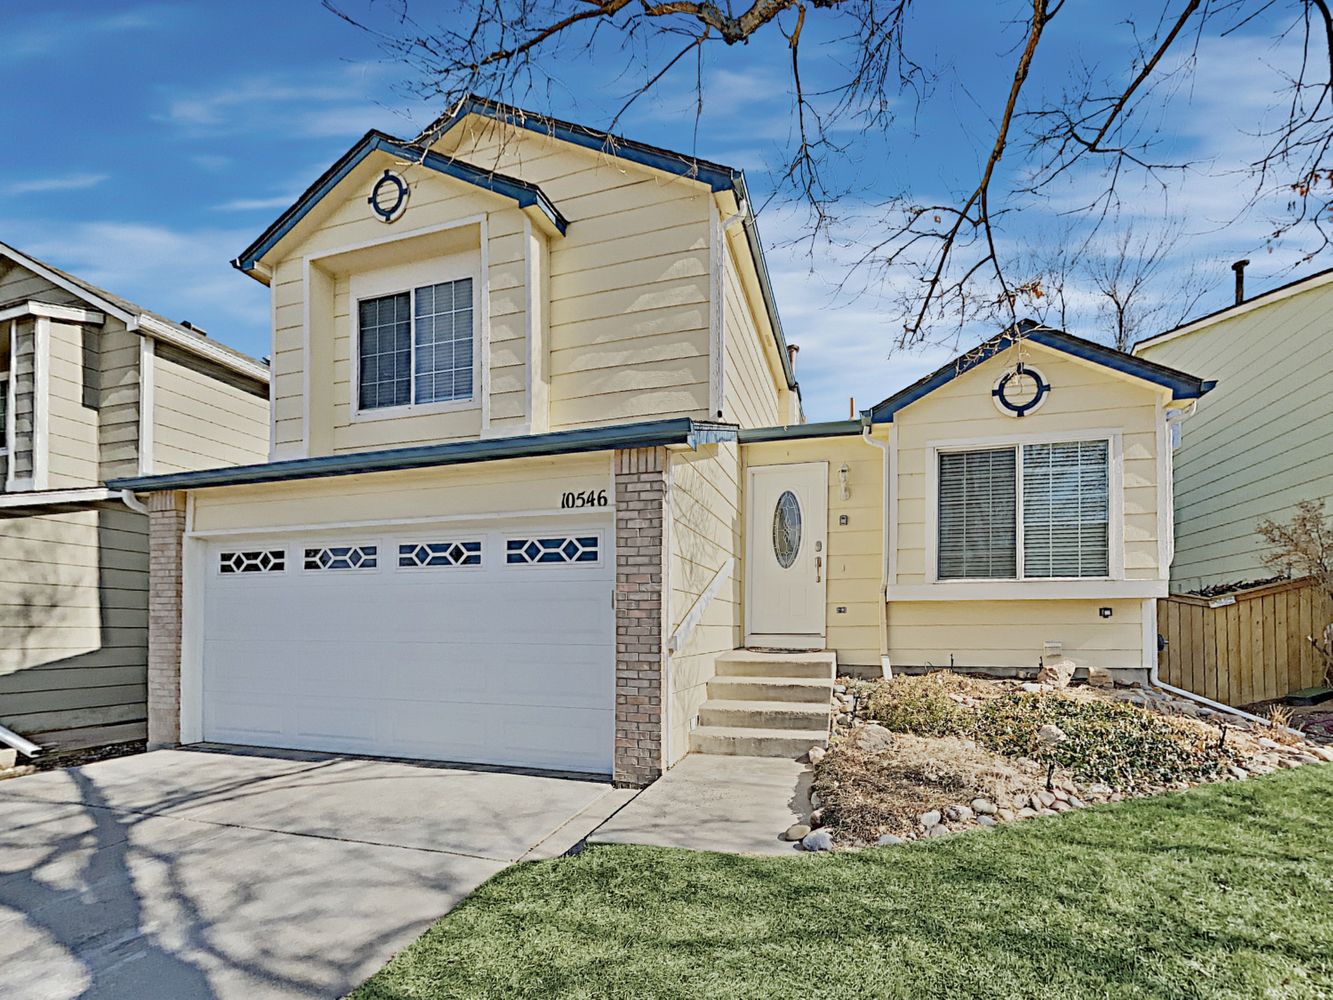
[{"x": 1225, "y": 891}]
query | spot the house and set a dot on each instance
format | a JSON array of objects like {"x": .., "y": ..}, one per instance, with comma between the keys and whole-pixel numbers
[
  {"x": 541, "y": 494},
  {"x": 93, "y": 387},
  {"x": 1263, "y": 441}
]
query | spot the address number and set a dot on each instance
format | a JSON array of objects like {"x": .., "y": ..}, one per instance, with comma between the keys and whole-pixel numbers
[{"x": 583, "y": 498}]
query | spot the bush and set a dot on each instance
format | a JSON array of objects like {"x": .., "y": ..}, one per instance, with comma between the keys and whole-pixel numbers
[
  {"x": 1110, "y": 742},
  {"x": 918, "y": 704}
]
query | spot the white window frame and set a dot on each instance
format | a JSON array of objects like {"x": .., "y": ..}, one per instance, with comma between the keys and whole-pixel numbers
[
  {"x": 337, "y": 543},
  {"x": 9, "y": 413},
  {"x": 442, "y": 538},
  {"x": 407, "y": 278},
  {"x": 1115, "y": 506},
  {"x": 216, "y": 569},
  {"x": 506, "y": 537}
]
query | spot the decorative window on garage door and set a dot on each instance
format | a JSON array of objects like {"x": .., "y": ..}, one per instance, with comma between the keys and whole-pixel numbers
[
  {"x": 342, "y": 557},
  {"x": 252, "y": 561},
  {"x": 568, "y": 549},
  {"x": 424, "y": 555}
]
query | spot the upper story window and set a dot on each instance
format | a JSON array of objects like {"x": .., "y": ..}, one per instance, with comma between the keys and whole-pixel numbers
[
  {"x": 1033, "y": 511},
  {"x": 415, "y": 347}
]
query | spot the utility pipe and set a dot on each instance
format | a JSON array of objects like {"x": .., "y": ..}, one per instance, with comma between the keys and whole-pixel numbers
[
  {"x": 26, "y": 747},
  {"x": 886, "y": 669}
]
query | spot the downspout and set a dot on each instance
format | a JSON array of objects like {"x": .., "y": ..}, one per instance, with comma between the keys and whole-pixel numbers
[
  {"x": 886, "y": 669},
  {"x": 133, "y": 502},
  {"x": 13, "y": 739},
  {"x": 1173, "y": 419}
]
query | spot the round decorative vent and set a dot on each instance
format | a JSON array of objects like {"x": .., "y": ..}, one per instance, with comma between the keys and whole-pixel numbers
[
  {"x": 388, "y": 198},
  {"x": 787, "y": 529},
  {"x": 1020, "y": 391}
]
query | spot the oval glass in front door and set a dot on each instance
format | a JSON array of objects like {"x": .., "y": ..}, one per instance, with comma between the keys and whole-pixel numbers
[{"x": 787, "y": 529}]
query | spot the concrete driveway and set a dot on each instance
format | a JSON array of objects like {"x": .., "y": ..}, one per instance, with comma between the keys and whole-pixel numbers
[{"x": 221, "y": 873}]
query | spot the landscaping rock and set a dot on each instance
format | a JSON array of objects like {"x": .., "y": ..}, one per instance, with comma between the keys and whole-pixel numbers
[
  {"x": 1100, "y": 677},
  {"x": 796, "y": 832},
  {"x": 1032, "y": 688},
  {"x": 815, "y": 755},
  {"x": 817, "y": 840},
  {"x": 817, "y": 818},
  {"x": 890, "y": 840},
  {"x": 1239, "y": 773},
  {"x": 839, "y": 688},
  {"x": 1100, "y": 789},
  {"x": 1051, "y": 735},
  {"x": 873, "y": 738},
  {"x": 1043, "y": 800},
  {"x": 958, "y": 814},
  {"x": 939, "y": 830},
  {"x": 1076, "y": 802},
  {"x": 1057, "y": 674},
  {"x": 1025, "y": 813},
  {"x": 1061, "y": 806},
  {"x": 1268, "y": 744},
  {"x": 816, "y": 803},
  {"x": 1005, "y": 815},
  {"x": 929, "y": 819},
  {"x": 984, "y": 807},
  {"x": 1061, "y": 794},
  {"x": 986, "y": 820},
  {"x": 1047, "y": 812},
  {"x": 1323, "y": 753}
]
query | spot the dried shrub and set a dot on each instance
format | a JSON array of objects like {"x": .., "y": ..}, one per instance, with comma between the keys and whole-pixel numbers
[
  {"x": 1105, "y": 741},
  {"x": 920, "y": 704},
  {"x": 1279, "y": 719}
]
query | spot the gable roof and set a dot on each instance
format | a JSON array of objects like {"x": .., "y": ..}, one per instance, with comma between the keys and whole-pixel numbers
[
  {"x": 716, "y": 176},
  {"x": 137, "y": 318},
  {"x": 1307, "y": 284},
  {"x": 1182, "y": 386},
  {"x": 524, "y": 194}
]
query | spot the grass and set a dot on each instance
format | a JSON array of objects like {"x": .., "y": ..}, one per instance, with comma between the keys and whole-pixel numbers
[{"x": 1218, "y": 892}]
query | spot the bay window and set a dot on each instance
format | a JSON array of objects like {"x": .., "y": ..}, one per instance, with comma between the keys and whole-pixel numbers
[{"x": 1030, "y": 511}]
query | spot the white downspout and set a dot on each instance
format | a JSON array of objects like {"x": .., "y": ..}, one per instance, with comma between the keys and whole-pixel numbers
[
  {"x": 133, "y": 502},
  {"x": 13, "y": 739},
  {"x": 886, "y": 668}
]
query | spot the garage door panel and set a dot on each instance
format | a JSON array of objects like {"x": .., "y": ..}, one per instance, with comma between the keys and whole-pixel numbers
[{"x": 497, "y": 663}]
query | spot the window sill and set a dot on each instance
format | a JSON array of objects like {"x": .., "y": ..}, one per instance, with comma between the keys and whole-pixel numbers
[
  {"x": 415, "y": 410},
  {"x": 1081, "y": 588}
]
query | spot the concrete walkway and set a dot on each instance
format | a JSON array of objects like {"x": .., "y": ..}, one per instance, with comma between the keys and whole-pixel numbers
[
  {"x": 739, "y": 805},
  {"x": 196, "y": 874}
]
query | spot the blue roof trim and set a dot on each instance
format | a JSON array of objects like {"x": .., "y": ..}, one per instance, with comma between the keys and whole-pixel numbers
[
  {"x": 646, "y": 434},
  {"x": 717, "y": 176},
  {"x": 1182, "y": 385},
  {"x": 797, "y": 432},
  {"x": 525, "y": 194}
]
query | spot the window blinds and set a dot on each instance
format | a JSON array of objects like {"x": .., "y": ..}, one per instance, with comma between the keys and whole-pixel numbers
[
  {"x": 1065, "y": 509},
  {"x": 977, "y": 516}
]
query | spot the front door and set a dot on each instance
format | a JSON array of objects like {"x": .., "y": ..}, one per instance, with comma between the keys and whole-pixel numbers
[{"x": 786, "y": 579}]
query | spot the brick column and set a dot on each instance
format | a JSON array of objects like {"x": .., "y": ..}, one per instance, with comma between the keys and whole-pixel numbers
[
  {"x": 641, "y": 497},
  {"x": 166, "y": 529}
]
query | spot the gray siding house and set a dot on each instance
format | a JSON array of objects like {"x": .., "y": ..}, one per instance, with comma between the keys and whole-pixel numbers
[
  {"x": 1262, "y": 440},
  {"x": 93, "y": 387}
]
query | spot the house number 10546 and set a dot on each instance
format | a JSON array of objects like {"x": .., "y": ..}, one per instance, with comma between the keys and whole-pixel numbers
[{"x": 583, "y": 498}]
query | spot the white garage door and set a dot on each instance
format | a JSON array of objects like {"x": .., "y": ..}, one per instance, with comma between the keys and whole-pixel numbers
[{"x": 491, "y": 645}]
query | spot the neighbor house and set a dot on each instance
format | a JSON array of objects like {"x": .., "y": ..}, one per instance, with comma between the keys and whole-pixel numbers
[
  {"x": 1263, "y": 442},
  {"x": 93, "y": 387},
  {"x": 541, "y": 494}
]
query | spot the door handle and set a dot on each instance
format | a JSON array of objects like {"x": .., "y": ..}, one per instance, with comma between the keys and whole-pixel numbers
[{"x": 819, "y": 566}]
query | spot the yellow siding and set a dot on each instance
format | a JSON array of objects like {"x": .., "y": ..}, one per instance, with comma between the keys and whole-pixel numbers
[
  {"x": 72, "y": 424},
  {"x": 751, "y": 396},
  {"x": 118, "y": 416},
  {"x": 1260, "y": 441},
  {"x": 1010, "y": 634},
  {"x": 1083, "y": 398},
  {"x": 487, "y": 489},
  {"x": 854, "y": 562},
  {"x": 73, "y": 622},
  {"x": 202, "y": 417},
  {"x": 705, "y": 531}
]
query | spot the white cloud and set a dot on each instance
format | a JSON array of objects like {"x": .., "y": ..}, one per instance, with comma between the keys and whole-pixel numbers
[
  {"x": 41, "y": 185},
  {"x": 255, "y": 204},
  {"x": 51, "y": 32}
]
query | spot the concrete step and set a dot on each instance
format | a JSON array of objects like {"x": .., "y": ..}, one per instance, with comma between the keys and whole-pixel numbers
[
  {"x": 743, "y": 742},
  {"x": 765, "y": 714},
  {"x": 770, "y": 689},
  {"x": 746, "y": 663}
]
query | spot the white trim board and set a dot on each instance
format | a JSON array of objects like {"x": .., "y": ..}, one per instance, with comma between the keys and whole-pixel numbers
[
  {"x": 44, "y": 498},
  {"x": 67, "y": 314},
  {"x": 147, "y": 400},
  {"x": 388, "y": 522},
  {"x": 41, "y": 402},
  {"x": 150, "y": 326},
  {"x": 9, "y": 430},
  {"x": 1079, "y": 589}
]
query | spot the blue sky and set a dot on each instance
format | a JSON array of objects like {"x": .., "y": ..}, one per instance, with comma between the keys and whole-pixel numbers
[{"x": 171, "y": 134}]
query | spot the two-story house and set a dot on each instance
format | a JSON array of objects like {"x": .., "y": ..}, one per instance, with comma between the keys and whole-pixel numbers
[
  {"x": 540, "y": 492},
  {"x": 93, "y": 387}
]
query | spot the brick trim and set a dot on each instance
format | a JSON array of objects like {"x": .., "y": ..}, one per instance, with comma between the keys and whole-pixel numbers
[
  {"x": 641, "y": 546},
  {"x": 166, "y": 531}
]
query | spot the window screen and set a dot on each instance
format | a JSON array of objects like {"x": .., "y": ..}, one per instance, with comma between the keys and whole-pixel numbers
[
  {"x": 386, "y": 351},
  {"x": 1066, "y": 509},
  {"x": 4, "y": 412},
  {"x": 444, "y": 341},
  {"x": 977, "y": 515}
]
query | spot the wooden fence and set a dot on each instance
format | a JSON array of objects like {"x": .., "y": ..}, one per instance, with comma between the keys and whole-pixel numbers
[{"x": 1246, "y": 647}]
